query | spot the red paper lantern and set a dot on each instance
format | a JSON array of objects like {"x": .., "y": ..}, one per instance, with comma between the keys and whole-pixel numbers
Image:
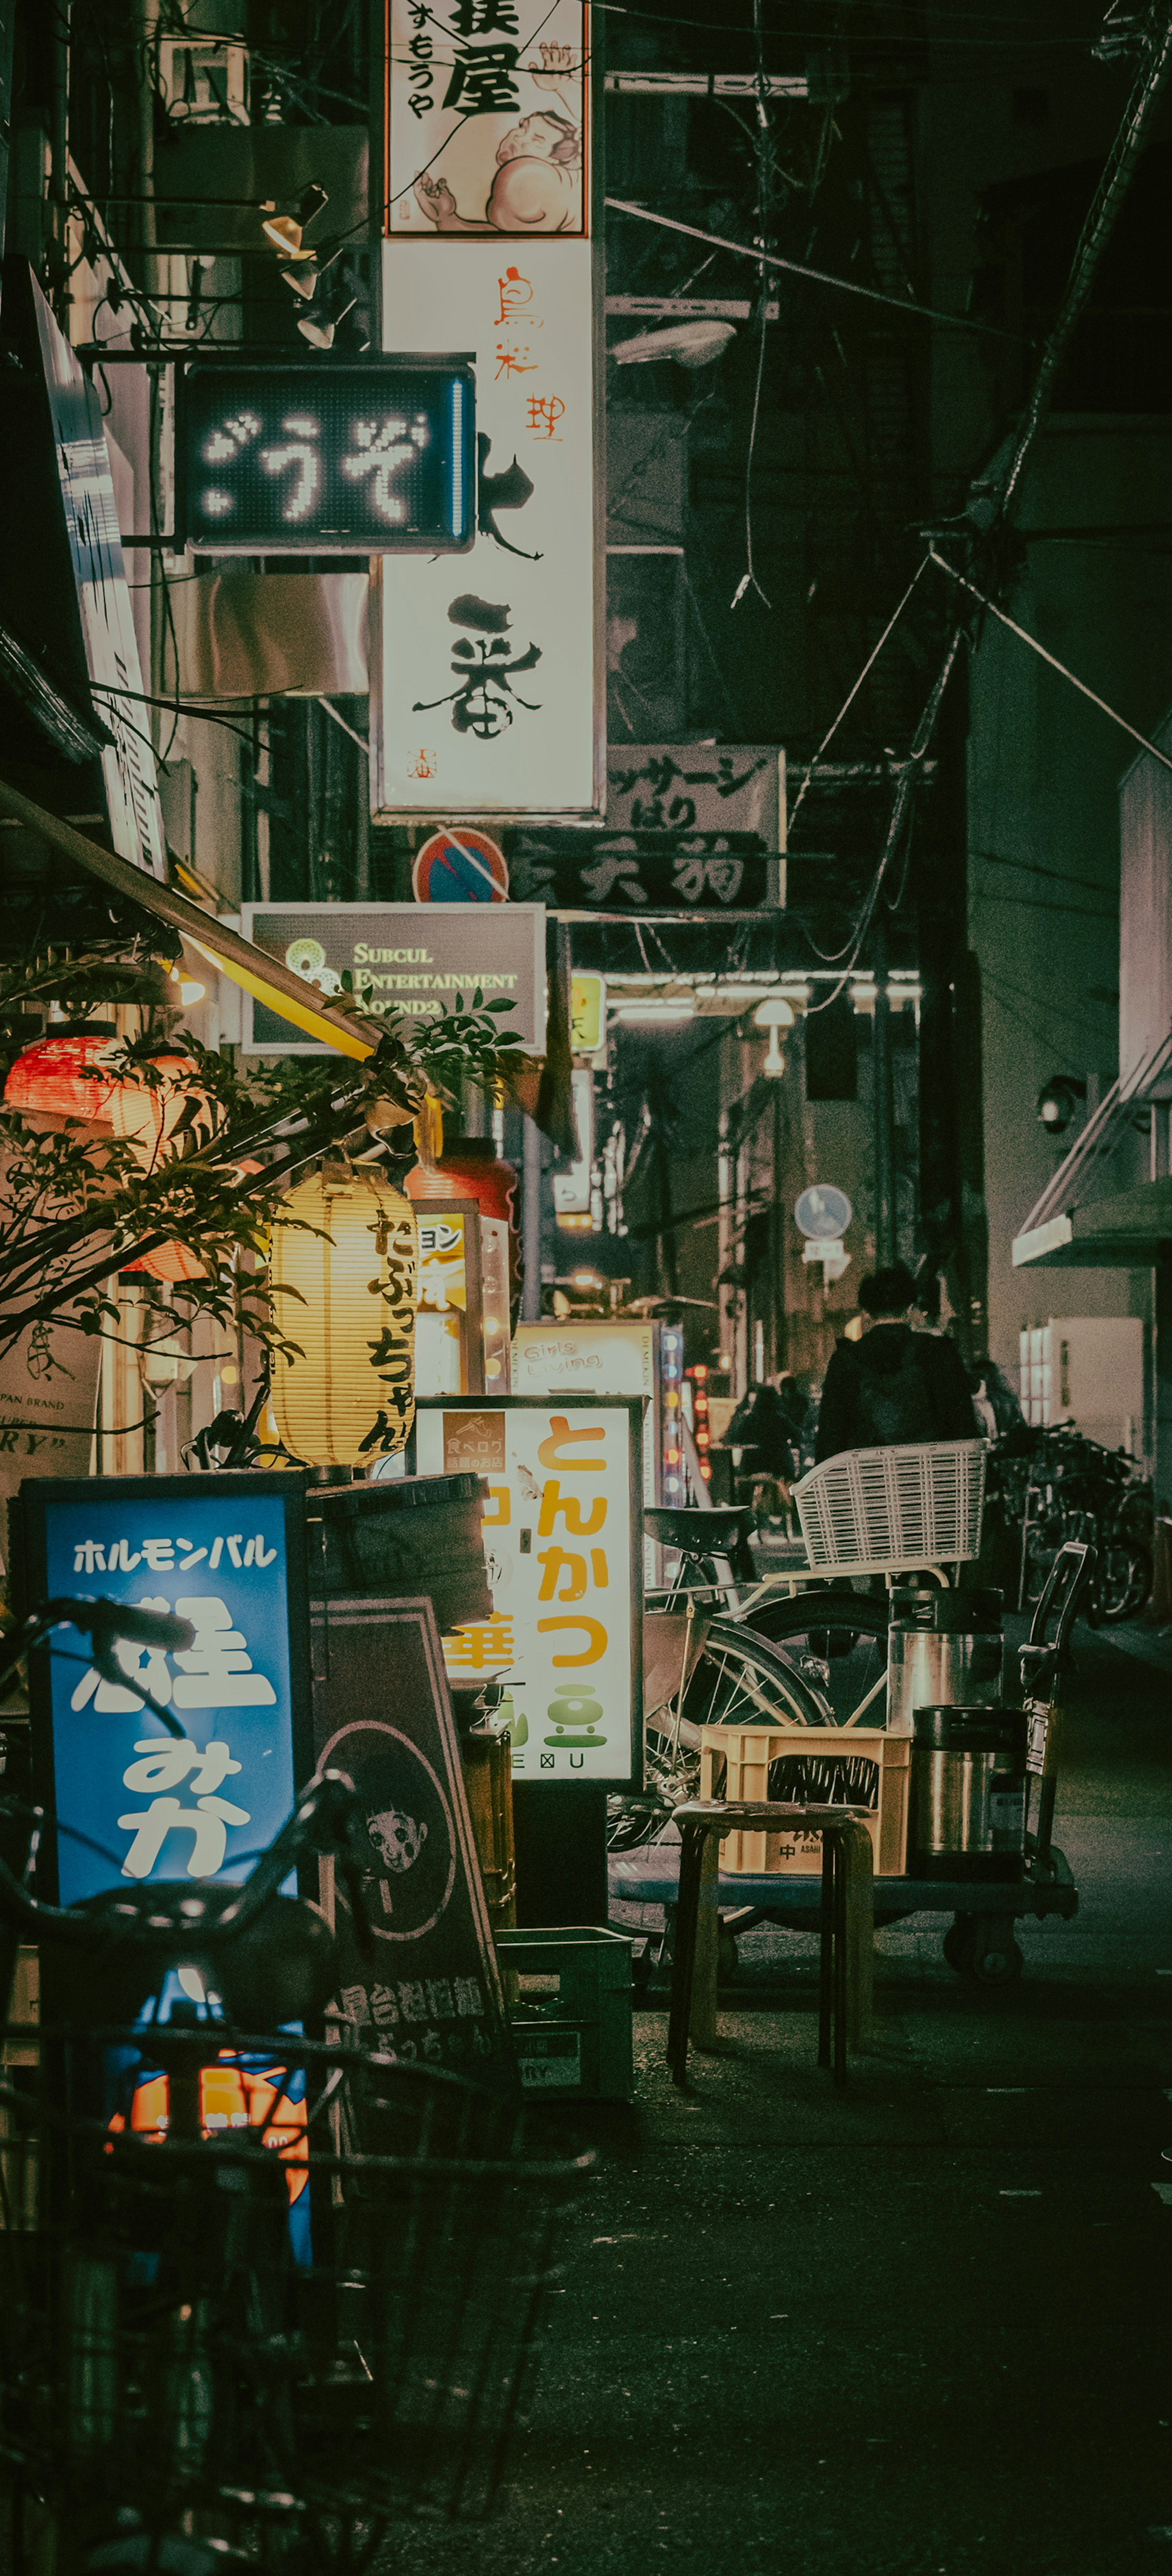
[{"x": 52, "y": 1078}]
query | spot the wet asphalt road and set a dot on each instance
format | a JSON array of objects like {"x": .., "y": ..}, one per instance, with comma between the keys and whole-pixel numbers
[{"x": 917, "y": 2331}]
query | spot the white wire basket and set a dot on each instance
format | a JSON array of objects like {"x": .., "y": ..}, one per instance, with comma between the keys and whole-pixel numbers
[{"x": 869, "y": 1511}]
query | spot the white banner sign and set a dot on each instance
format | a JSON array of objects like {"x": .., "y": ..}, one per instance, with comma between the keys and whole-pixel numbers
[
  {"x": 560, "y": 1545},
  {"x": 487, "y": 117},
  {"x": 484, "y": 701},
  {"x": 107, "y": 620}
]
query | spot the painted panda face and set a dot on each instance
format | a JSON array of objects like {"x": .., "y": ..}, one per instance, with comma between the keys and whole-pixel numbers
[{"x": 397, "y": 1838}]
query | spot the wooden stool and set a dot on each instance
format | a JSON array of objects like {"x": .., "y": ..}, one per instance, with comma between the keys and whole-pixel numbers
[{"x": 844, "y": 1998}]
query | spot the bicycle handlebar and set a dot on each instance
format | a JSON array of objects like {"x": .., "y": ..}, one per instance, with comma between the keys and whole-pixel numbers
[{"x": 322, "y": 1821}]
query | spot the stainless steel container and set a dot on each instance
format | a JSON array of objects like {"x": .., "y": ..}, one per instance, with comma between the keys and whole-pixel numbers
[
  {"x": 968, "y": 1785},
  {"x": 942, "y": 1647}
]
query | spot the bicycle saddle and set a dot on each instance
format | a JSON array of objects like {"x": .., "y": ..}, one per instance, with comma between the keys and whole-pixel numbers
[{"x": 698, "y": 1533}]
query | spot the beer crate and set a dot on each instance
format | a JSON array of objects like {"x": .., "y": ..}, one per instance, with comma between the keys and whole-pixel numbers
[{"x": 806, "y": 1765}]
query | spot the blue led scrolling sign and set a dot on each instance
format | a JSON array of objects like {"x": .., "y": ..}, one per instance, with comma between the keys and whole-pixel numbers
[{"x": 378, "y": 458}]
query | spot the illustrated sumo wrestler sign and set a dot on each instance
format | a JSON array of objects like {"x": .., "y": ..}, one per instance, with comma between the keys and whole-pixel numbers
[
  {"x": 487, "y": 119},
  {"x": 562, "y": 1548}
]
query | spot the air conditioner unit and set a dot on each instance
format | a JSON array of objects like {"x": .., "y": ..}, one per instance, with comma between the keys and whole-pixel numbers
[{"x": 203, "y": 80}]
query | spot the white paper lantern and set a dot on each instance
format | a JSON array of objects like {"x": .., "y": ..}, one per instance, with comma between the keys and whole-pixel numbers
[{"x": 351, "y": 1399}]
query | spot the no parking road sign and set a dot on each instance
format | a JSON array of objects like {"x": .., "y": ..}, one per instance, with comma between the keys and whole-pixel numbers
[{"x": 460, "y": 867}]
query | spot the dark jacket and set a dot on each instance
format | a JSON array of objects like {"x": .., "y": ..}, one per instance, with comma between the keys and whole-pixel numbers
[
  {"x": 769, "y": 1422},
  {"x": 894, "y": 1385}
]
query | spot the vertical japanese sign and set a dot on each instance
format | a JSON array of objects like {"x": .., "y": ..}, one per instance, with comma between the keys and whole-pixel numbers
[
  {"x": 129, "y": 1800},
  {"x": 561, "y": 1546},
  {"x": 484, "y": 695},
  {"x": 107, "y": 620}
]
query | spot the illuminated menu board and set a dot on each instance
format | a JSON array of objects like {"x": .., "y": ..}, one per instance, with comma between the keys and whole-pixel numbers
[
  {"x": 562, "y": 1528},
  {"x": 370, "y": 459}
]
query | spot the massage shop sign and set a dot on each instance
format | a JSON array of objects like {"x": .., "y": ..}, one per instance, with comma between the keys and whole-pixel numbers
[
  {"x": 485, "y": 699},
  {"x": 561, "y": 1530}
]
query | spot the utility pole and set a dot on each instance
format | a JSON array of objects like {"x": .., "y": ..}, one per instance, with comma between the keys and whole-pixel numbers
[{"x": 882, "y": 1112}]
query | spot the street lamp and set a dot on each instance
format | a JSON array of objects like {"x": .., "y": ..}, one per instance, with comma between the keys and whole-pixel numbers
[
  {"x": 774, "y": 1014},
  {"x": 1059, "y": 1101}
]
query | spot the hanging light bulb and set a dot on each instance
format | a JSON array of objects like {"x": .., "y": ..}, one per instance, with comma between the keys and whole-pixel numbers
[
  {"x": 284, "y": 228},
  {"x": 303, "y": 280},
  {"x": 320, "y": 335},
  {"x": 774, "y": 1014},
  {"x": 354, "y": 1383}
]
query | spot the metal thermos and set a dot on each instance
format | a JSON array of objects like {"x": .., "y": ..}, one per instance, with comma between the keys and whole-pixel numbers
[
  {"x": 968, "y": 1791},
  {"x": 942, "y": 1646}
]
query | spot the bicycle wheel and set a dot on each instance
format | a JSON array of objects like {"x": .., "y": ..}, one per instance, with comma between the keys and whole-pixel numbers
[
  {"x": 1124, "y": 1580},
  {"x": 740, "y": 1680},
  {"x": 837, "y": 1641},
  {"x": 736, "y": 1680}
]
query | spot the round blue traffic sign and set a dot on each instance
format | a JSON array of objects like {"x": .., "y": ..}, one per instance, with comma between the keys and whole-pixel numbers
[{"x": 823, "y": 1211}]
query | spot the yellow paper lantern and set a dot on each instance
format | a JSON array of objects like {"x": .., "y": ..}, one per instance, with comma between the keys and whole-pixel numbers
[{"x": 351, "y": 1399}]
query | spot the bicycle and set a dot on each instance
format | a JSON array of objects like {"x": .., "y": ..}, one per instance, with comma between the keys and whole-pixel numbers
[
  {"x": 1067, "y": 1488},
  {"x": 785, "y": 1649},
  {"x": 248, "y": 2336}
]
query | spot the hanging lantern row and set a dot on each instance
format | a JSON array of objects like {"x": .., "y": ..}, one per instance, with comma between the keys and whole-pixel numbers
[
  {"x": 350, "y": 1399},
  {"x": 65, "y": 1075}
]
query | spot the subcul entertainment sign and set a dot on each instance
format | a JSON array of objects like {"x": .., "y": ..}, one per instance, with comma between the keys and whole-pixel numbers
[{"x": 411, "y": 959}]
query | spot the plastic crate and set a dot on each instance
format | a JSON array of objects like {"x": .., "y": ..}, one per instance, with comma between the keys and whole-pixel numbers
[
  {"x": 568, "y": 1991},
  {"x": 871, "y": 1509},
  {"x": 798, "y": 1762}
]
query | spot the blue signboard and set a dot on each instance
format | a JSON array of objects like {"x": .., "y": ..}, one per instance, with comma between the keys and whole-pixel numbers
[
  {"x": 128, "y": 1800},
  {"x": 371, "y": 459}
]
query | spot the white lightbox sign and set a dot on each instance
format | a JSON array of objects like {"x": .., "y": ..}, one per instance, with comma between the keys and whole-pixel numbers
[
  {"x": 486, "y": 671},
  {"x": 561, "y": 1530}
]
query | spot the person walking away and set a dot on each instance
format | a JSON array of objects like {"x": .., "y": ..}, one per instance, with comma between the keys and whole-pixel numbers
[{"x": 894, "y": 1385}]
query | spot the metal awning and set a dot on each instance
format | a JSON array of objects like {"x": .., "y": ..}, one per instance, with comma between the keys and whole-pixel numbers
[{"x": 1128, "y": 1230}]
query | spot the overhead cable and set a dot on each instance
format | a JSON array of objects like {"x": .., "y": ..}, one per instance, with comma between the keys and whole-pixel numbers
[
  {"x": 1025, "y": 637},
  {"x": 1105, "y": 205},
  {"x": 899, "y": 812},
  {"x": 771, "y": 259},
  {"x": 848, "y": 701}
]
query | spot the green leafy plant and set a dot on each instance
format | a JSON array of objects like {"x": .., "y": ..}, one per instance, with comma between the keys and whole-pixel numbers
[{"x": 77, "y": 1208}]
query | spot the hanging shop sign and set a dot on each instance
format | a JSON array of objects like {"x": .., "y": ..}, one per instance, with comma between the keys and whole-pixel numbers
[
  {"x": 103, "y": 598},
  {"x": 702, "y": 787},
  {"x": 425, "y": 1987},
  {"x": 486, "y": 118},
  {"x": 48, "y": 1399},
  {"x": 561, "y": 1531},
  {"x": 483, "y": 700},
  {"x": 407, "y": 959},
  {"x": 587, "y": 1013},
  {"x": 128, "y": 1800},
  {"x": 360, "y": 460},
  {"x": 460, "y": 867},
  {"x": 714, "y": 872}
]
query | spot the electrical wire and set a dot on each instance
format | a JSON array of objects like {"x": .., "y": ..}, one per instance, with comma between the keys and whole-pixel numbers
[
  {"x": 918, "y": 753},
  {"x": 1040, "y": 649},
  {"x": 849, "y": 700},
  {"x": 770, "y": 259}
]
